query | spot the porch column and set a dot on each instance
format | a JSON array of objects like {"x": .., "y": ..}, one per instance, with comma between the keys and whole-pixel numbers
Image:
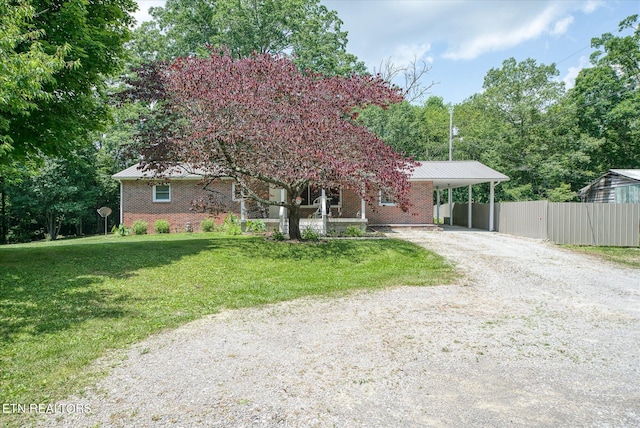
[
  {"x": 283, "y": 211},
  {"x": 491, "y": 208},
  {"x": 243, "y": 211},
  {"x": 323, "y": 207},
  {"x": 362, "y": 207},
  {"x": 437, "y": 206},
  {"x": 470, "y": 209},
  {"x": 450, "y": 207}
]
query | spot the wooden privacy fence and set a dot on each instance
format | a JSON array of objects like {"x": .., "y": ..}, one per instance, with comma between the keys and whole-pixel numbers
[{"x": 560, "y": 222}]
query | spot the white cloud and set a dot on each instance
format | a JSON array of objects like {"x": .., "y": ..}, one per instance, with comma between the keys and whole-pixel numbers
[
  {"x": 591, "y": 5},
  {"x": 570, "y": 78},
  {"x": 561, "y": 26},
  {"x": 508, "y": 29},
  {"x": 404, "y": 54}
]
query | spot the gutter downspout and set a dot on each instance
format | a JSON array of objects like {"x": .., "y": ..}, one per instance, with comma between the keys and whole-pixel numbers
[{"x": 121, "y": 204}]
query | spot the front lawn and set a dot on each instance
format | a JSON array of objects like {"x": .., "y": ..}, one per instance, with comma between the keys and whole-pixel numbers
[{"x": 65, "y": 303}]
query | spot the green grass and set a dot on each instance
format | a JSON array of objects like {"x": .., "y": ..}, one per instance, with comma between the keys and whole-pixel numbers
[
  {"x": 621, "y": 255},
  {"x": 63, "y": 304}
]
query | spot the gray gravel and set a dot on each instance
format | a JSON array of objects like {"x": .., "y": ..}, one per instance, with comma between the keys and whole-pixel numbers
[{"x": 533, "y": 335}]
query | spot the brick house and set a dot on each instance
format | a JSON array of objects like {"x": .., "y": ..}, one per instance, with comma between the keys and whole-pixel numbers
[{"x": 172, "y": 198}]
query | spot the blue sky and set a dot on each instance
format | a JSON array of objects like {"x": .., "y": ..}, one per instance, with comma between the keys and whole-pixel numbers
[{"x": 463, "y": 39}]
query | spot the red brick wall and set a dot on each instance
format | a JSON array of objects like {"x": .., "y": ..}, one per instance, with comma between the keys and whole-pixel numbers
[
  {"x": 137, "y": 203},
  {"x": 420, "y": 211}
]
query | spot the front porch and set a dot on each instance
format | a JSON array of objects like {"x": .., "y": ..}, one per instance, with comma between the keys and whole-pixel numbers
[
  {"x": 332, "y": 225},
  {"x": 322, "y": 214}
]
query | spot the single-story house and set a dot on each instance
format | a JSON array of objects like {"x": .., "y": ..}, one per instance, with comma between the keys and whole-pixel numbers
[
  {"x": 616, "y": 186},
  {"x": 143, "y": 197}
]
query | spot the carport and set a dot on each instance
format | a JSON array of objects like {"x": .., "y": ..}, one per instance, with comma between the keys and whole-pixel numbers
[{"x": 449, "y": 175}]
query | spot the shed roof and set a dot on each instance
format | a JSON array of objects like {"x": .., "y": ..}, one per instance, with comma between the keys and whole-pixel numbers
[
  {"x": 631, "y": 173},
  {"x": 452, "y": 174}
]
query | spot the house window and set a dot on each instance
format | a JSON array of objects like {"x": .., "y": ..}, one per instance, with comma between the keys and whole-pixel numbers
[
  {"x": 386, "y": 200},
  {"x": 162, "y": 193},
  {"x": 237, "y": 192},
  {"x": 312, "y": 194}
]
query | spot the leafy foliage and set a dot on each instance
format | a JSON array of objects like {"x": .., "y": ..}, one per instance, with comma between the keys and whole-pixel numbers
[
  {"x": 354, "y": 231},
  {"x": 161, "y": 226},
  {"x": 121, "y": 230},
  {"x": 26, "y": 68},
  {"x": 231, "y": 225},
  {"x": 86, "y": 36},
  {"x": 256, "y": 226},
  {"x": 207, "y": 225},
  {"x": 139, "y": 227},
  {"x": 61, "y": 191},
  {"x": 607, "y": 99},
  {"x": 310, "y": 234},
  {"x": 305, "y": 30}
]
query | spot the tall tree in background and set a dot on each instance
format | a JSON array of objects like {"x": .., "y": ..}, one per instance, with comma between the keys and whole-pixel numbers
[
  {"x": 607, "y": 99},
  {"x": 60, "y": 192},
  {"x": 399, "y": 126},
  {"x": 263, "y": 122},
  {"x": 519, "y": 96},
  {"x": 305, "y": 30}
]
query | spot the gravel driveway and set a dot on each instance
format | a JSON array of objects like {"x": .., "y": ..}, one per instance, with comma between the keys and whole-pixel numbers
[{"x": 532, "y": 335}]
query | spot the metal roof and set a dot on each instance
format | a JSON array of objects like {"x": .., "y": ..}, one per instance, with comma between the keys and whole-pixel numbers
[
  {"x": 452, "y": 174},
  {"x": 135, "y": 172},
  {"x": 443, "y": 174},
  {"x": 631, "y": 173}
]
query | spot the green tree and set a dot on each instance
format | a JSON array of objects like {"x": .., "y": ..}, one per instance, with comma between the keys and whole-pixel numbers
[
  {"x": 607, "y": 100},
  {"x": 435, "y": 121},
  {"x": 418, "y": 131},
  {"x": 303, "y": 29},
  {"x": 518, "y": 100},
  {"x": 93, "y": 34},
  {"x": 398, "y": 126},
  {"x": 25, "y": 68},
  {"x": 59, "y": 192}
]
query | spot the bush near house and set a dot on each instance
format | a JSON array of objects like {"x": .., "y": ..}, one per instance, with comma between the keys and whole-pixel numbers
[
  {"x": 161, "y": 226},
  {"x": 140, "y": 227},
  {"x": 207, "y": 225}
]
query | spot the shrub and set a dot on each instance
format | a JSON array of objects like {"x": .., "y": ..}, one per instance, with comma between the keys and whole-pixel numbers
[
  {"x": 140, "y": 227},
  {"x": 231, "y": 225},
  {"x": 354, "y": 231},
  {"x": 310, "y": 234},
  {"x": 121, "y": 230},
  {"x": 278, "y": 236},
  {"x": 207, "y": 225},
  {"x": 256, "y": 226},
  {"x": 161, "y": 226}
]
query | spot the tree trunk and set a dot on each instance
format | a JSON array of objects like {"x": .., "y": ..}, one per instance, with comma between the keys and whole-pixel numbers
[
  {"x": 294, "y": 223},
  {"x": 51, "y": 226}
]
